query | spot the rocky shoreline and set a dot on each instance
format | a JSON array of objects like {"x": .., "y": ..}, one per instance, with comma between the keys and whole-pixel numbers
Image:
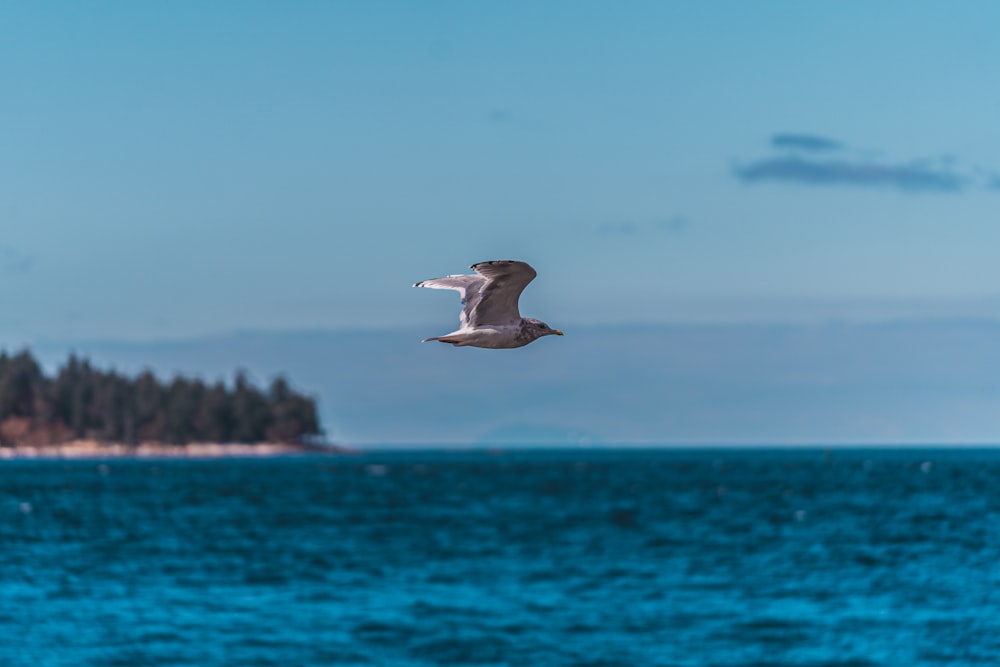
[{"x": 92, "y": 449}]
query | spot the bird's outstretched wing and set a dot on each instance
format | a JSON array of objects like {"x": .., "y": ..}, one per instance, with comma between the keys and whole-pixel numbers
[
  {"x": 490, "y": 297},
  {"x": 505, "y": 280},
  {"x": 468, "y": 287}
]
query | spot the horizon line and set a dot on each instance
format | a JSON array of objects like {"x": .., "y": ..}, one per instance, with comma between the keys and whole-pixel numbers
[{"x": 833, "y": 321}]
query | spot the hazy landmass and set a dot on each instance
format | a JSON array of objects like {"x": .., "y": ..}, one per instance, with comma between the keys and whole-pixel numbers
[
  {"x": 905, "y": 381},
  {"x": 82, "y": 409}
]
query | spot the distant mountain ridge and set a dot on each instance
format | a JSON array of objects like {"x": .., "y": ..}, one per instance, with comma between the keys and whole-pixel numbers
[{"x": 908, "y": 381}]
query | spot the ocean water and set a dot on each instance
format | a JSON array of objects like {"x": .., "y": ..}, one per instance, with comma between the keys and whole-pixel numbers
[{"x": 672, "y": 557}]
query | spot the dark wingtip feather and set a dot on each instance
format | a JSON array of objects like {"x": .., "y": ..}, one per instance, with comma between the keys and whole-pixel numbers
[{"x": 492, "y": 261}]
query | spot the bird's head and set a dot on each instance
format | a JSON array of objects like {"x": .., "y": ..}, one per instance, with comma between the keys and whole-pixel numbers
[{"x": 539, "y": 328}]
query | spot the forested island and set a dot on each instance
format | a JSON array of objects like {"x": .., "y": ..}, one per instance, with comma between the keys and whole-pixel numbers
[{"x": 85, "y": 404}]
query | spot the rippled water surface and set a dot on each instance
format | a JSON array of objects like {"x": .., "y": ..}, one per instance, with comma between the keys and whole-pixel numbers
[{"x": 545, "y": 558}]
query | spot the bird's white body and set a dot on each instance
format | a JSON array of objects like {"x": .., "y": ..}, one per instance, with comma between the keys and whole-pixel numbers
[
  {"x": 494, "y": 338},
  {"x": 490, "y": 317}
]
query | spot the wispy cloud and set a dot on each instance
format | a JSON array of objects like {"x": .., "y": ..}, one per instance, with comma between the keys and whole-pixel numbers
[
  {"x": 911, "y": 177},
  {"x": 626, "y": 228},
  {"x": 672, "y": 224},
  {"x": 13, "y": 260},
  {"x": 498, "y": 115},
  {"x": 795, "y": 163},
  {"x": 806, "y": 142}
]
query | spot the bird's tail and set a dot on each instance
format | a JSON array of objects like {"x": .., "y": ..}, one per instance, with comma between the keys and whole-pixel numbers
[{"x": 443, "y": 339}]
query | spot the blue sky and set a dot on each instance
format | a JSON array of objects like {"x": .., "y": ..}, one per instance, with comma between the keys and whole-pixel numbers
[{"x": 180, "y": 169}]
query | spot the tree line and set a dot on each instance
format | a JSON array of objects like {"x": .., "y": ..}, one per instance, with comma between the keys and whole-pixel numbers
[{"x": 82, "y": 402}]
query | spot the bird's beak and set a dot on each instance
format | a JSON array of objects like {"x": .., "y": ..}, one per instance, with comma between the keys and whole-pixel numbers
[{"x": 557, "y": 332}]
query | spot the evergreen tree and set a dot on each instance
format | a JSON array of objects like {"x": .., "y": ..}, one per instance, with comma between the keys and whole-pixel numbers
[
  {"x": 22, "y": 386},
  {"x": 291, "y": 414},
  {"x": 250, "y": 411},
  {"x": 215, "y": 421},
  {"x": 82, "y": 402}
]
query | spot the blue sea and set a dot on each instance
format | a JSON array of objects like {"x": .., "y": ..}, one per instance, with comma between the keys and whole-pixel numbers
[{"x": 838, "y": 558}]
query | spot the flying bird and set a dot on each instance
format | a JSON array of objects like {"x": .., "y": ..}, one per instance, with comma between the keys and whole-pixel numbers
[{"x": 490, "y": 317}]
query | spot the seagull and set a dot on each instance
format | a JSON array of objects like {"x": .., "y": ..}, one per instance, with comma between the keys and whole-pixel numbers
[{"x": 490, "y": 317}]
